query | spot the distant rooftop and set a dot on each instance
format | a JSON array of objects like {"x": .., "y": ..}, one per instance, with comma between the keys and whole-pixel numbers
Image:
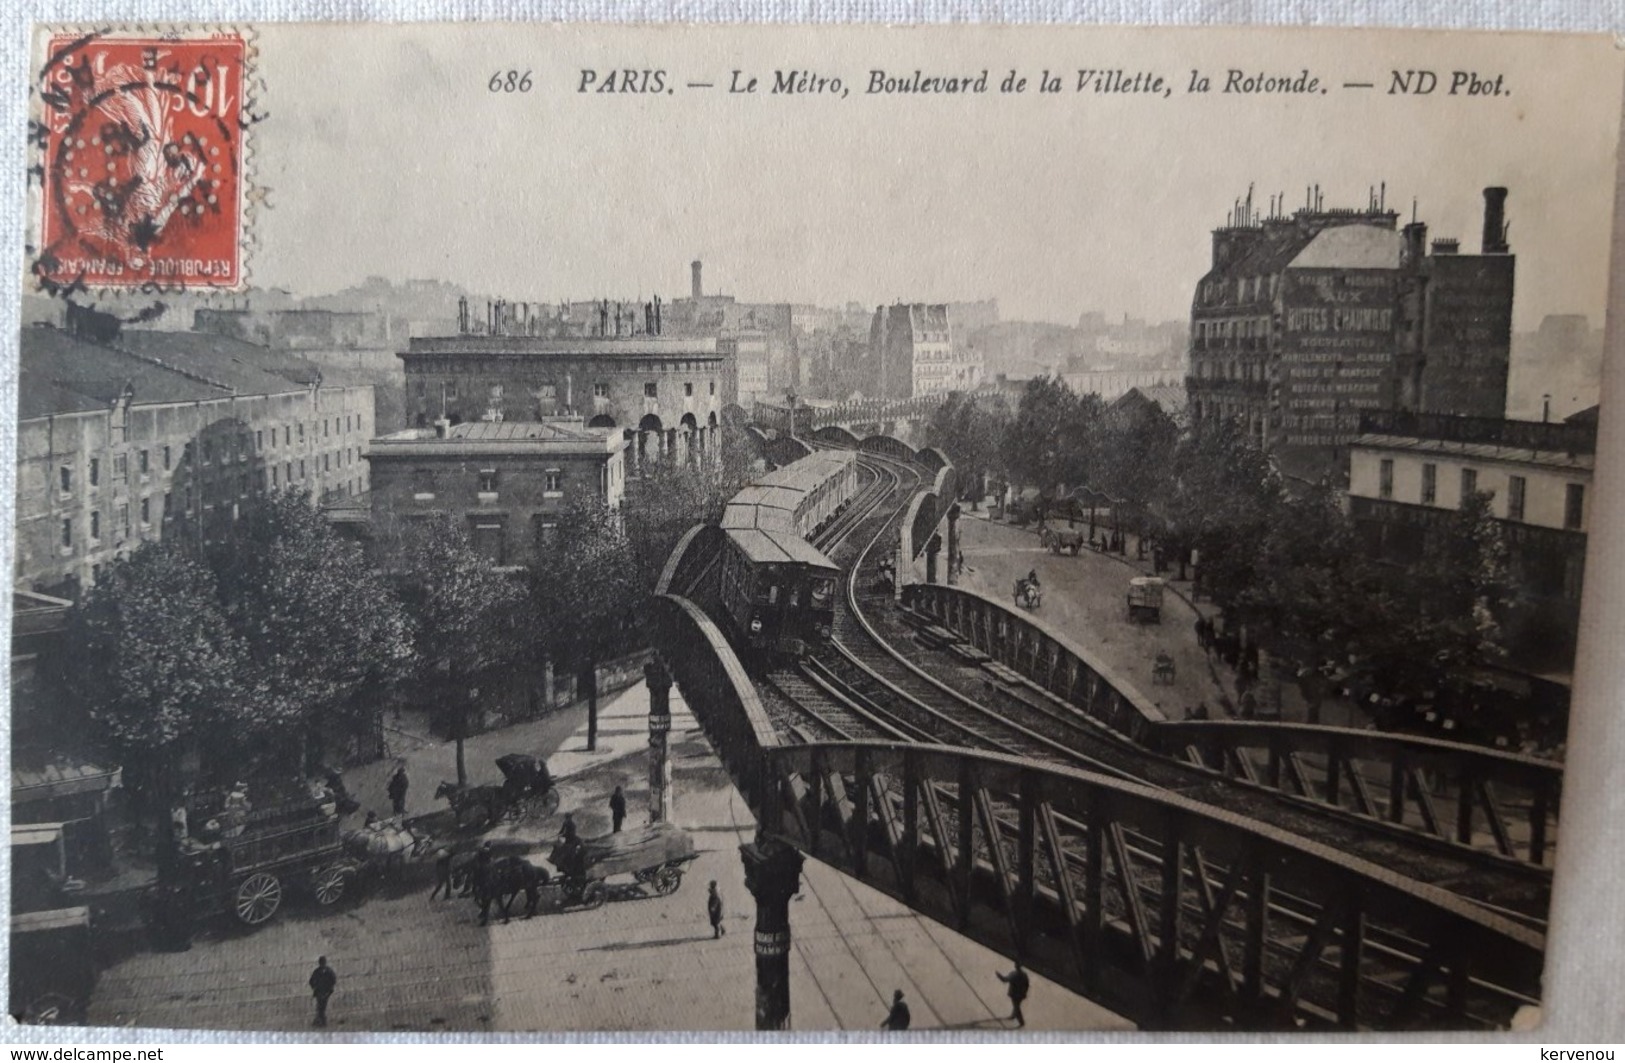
[
  {"x": 591, "y": 346},
  {"x": 471, "y": 436}
]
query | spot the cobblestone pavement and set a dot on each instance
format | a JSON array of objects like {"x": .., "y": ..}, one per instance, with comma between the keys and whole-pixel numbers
[{"x": 644, "y": 963}]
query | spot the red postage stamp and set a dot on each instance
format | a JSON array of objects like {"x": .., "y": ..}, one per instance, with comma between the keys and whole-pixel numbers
[{"x": 141, "y": 181}]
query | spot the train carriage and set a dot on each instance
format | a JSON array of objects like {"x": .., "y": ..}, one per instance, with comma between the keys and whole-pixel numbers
[{"x": 777, "y": 589}]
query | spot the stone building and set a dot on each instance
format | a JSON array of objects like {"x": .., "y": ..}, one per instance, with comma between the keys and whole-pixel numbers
[
  {"x": 125, "y": 437},
  {"x": 1409, "y": 472},
  {"x": 510, "y": 482},
  {"x": 1306, "y": 320},
  {"x": 911, "y": 353},
  {"x": 663, "y": 394}
]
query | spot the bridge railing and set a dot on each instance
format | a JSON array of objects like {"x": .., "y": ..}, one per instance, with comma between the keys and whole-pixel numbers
[
  {"x": 1457, "y": 793},
  {"x": 1168, "y": 911},
  {"x": 1173, "y": 914}
]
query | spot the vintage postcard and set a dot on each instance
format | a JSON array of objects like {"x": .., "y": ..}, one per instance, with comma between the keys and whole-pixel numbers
[{"x": 546, "y": 528}]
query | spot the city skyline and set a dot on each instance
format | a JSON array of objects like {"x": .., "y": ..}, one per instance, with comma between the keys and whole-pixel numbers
[{"x": 881, "y": 199}]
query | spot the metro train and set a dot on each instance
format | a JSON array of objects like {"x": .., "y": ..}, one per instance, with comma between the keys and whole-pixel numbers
[{"x": 777, "y": 588}]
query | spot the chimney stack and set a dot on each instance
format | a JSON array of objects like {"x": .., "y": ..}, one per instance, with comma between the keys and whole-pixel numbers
[
  {"x": 657, "y": 315},
  {"x": 695, "y": 267},
  {"x": 1495, "y": 235}
]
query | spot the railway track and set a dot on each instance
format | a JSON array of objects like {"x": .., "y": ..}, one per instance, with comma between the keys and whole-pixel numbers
[{"x": 877, "y": 682}]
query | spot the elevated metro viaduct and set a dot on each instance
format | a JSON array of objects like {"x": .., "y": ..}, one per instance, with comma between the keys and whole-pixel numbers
[{"x": 1170, "y": 912}]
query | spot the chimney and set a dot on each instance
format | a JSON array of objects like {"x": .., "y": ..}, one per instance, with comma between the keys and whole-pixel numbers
[
  {"x": 699, "y": 289},
  {"x": 1416, "y": 240},
  {"x": 1495, "y": 234},
  {"x": 657, "y": 315},
  {"x": 440, "y": 428}
]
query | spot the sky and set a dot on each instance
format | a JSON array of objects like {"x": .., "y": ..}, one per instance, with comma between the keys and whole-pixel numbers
[{"x": 384, "y": 152}]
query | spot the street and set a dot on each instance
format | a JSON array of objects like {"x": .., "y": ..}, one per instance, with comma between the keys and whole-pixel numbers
[{"x": 405, "y": 963}]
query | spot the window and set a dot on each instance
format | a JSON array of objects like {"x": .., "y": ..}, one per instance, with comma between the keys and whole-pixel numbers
[
  {"x": 287, "y": 435},
  {"x": 95, "y": 524},
  {"x": 301, "y": 468},
  {"x": 688, "y": 390},
  {"x": 600, "y": 391},
  {"x": 301, "y": 431},
  {"x": 67, "y": 534},
  {"x": 488, "y": 480},
  {"x": 259, "y": 440},
  {"x": 1385, "y": 478},
  {"x": 1516, "y": 486},
  {"x": 713, "y": 387},
  {"x": 347, "y": 420},
  {"x": 555, "y": 482},
  {"x": 1469, "y": 484},
  {"x": 651, "y": 390},
  {"x": 65, "y": 478},
  {"x": 327, "y": 465},
  {"x": 208, "y": 452},
  {"x": 142, "y": 463},
  {"x": 287, "y": 473},
  {"x": 1574, "y": 500},
  {"x": 95, "y": 471},
  {"x": 274, "y": 476},
  {"x": 488, "y": 541},
  {"x": 121, "y": 468},
  {"x": 166, "y": 459},
  {"x": 124, "y": 520},
  {"x": 1430, "y": 483}
]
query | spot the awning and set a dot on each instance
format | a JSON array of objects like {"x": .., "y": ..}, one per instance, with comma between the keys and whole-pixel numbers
[
  {"x": 35, "y": 833},
  {"x": 57, "y": 919},
  {"x": 60, "y": 778}
]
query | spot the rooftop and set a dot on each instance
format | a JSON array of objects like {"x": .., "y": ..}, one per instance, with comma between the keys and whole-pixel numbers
[
  {"x": 500, "y": 436},
  {"x": 587, "y": 346},
  {"x": 60, "y": 373}
]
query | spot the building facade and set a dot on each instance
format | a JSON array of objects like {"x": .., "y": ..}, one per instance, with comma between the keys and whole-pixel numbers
[
  {"x": 663, "y": 394},
  {"x": 136, "y": 436},
  {"x": 509, "y": 482},
  {"x": 912, "y": 353},
  {"x": 1307, "y": 320},
  {"x": 1408, "y": 472}
]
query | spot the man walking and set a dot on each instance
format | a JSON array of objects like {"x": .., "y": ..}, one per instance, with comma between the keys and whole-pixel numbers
[
  {"x": 1019, "y": 984},
  {"x": 898, "y": 1018},
  {"x": 397, "y": 789},
  {"x": 713, "y": 908},
  {"x": 617, "y": 809},
  {"x": 322, "y": 983}
]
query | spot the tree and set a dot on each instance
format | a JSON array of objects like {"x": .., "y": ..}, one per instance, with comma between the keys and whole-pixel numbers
[
  {"x": 325, "y": 634},
  {"x": 1039, "y": 445},
  {"x": 1134, "y": 456},
  {"x": 588, "y": 586},
  {"x": 1223, "y": 503},
  {"x": 157, "y": 664},
  {"x": 471, "y": 619},
  {"x": 969, "y": 430}
]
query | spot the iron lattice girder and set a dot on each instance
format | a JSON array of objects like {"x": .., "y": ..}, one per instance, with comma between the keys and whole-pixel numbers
[{"x": 1188, "y": 931}]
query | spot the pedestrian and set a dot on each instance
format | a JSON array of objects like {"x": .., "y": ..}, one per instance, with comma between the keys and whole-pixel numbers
[
  {"x": 1019, "y": 984},
  {"x": 713, "y": 908},
  {"x": 397, "y": 789},
  {"x": 442, "y": 873},
  {"x": 898, "y": 1018},
  {"x": 617, "y": 809},
  {"x": 322, "y": 983}
]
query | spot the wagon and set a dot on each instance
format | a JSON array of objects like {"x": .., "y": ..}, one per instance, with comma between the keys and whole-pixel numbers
[
  {"x": 653, "y": 856},
  {"x": 1145, "y": 599},
  {"x": 288, "y": 848},
  {"x": 1057, "y": 539}
]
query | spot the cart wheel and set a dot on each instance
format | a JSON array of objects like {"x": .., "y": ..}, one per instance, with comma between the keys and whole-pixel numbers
[
  {"x": 666, "y": 881},
  {"x": 593, "y": 895},
  {"x": 50, "y": 1009},
  {"x": 258, "y": 897},
  {"x": 328, "y": 884}
]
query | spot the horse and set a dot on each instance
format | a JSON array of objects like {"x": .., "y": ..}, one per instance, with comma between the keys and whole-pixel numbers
[
  {"x": 489, "y": 800},
  {"x": 503, "y": 881}
]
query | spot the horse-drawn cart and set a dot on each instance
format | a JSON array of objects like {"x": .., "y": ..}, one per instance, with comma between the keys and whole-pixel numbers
[
  {"x": 293, "y": 847},
  {"x": 1057, "y": 539},
  {"x": 653, "y": 856}
]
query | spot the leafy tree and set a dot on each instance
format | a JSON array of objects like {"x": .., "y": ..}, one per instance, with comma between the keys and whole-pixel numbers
[
  {"x": 157, "y": 663},
  {"x": 471, "y": 619},
  {"x": 1134, "y": 452},
  {"x": 1040, "y": 444},
  {"x": 325, "y": 634},
  {"x": 969, "y": 429},
  {"x": 1224, "y": 499},
  {"x": 587, "y": 588}
]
